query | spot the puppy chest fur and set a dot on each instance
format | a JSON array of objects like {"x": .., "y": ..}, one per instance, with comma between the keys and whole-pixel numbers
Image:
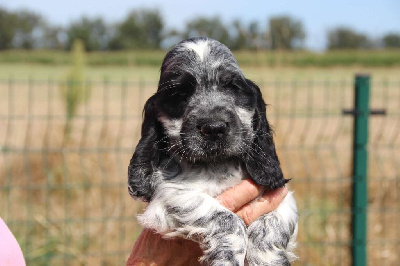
[{"x": 211, "y": 179}]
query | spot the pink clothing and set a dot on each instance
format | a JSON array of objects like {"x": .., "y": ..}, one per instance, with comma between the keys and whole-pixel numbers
[{"x": 10, "y": 252}]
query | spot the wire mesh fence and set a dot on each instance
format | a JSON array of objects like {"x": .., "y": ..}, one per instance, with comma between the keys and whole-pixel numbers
[{"x": 63, "y": 181}]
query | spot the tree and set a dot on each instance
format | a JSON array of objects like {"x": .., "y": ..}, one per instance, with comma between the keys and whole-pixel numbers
[
  {"x": 141, "y": 29},
  {"x": 209, "y": 27},
  {"x": 241, "y": 37},
  {"x": 7, "y": 29},
  {"x": 391, "y": 40},
  {"x": 346, "y": 38},
  {"x": 92, "y": 32},
  {"x": 19, "y": 29},
  {"x": 246, "y": 36},
  {"x": 54, "y": 37},
  {"x": 28, "y": 27},
  {"x": 286, "y": 33},
  {"x": 256, "y": 38}
]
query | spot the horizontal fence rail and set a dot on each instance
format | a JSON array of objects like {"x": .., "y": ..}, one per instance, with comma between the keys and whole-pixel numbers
[{"x": 63, "y": 167}]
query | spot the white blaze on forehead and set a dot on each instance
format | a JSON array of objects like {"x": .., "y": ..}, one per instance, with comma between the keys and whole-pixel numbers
[{"x": 201, "y": 48}]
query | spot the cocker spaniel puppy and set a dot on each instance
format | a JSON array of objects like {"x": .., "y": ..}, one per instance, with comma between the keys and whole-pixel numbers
[{"x": 204, "y": 130}]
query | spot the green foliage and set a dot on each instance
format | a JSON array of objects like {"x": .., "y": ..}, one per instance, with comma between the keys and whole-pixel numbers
[
  {"x": 153, "y": 58},
  {"x": 52, "y": 37},
  {"x": 35, "y": 57},
  {"x": 74, "y": 89},
  {"x": 144, "y": 29},
  {"x": 286, "y": 33},
  {"x": 17, "y": 29},
  {"x": 391, "y": 40},
  {"x": 27, "y": 23},
  {"x": 141, "y": 29},
  {"x": 92, "y": 32},
  {"x": 210, "y": 27},
  {"x": 7, "y": 32},
  {"x": 346, "y": 38},
  {"x": 241, "y": 39}
]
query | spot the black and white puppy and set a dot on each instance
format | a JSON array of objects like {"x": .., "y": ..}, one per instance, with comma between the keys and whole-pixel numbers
[{"x": 204, "y": 130}]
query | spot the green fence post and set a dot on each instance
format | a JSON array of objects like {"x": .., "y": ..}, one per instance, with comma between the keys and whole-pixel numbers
[{"x": 360, "y": 157}]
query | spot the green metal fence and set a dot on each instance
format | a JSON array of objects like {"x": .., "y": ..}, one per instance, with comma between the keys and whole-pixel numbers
[{"x": 63, "y": 192}]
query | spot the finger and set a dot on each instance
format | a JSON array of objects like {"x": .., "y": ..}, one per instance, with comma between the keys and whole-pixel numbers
[
  {"x": 237, "y": 196},
  {"x": 152, "y": 249},
  {"x": 266, "y": 203}
]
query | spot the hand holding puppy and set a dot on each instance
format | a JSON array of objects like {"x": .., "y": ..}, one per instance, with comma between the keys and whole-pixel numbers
[{"x": 248, "y": 200}]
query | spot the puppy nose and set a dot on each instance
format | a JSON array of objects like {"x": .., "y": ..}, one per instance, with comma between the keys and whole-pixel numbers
[{"x": 214, "y": 130}]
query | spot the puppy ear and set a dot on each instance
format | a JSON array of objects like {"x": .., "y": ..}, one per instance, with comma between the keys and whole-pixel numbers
[
  {"x": 141, "y": 179},
  {"x": 261, "y": 162}
]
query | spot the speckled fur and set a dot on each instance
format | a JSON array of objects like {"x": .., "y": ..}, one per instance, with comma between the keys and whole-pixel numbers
[{"x": 180, "y": 170}]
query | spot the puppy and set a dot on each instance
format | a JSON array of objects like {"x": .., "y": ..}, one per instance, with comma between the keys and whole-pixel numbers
[{"x": 204, "y": 130}]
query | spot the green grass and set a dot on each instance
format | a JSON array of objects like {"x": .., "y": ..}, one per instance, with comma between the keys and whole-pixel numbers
[
  {"x": 45, "y": 72},
  {"x": 18, "y": 71},
  {"x": 257, "y": 65},
  {"x": 366, "y": 58}
]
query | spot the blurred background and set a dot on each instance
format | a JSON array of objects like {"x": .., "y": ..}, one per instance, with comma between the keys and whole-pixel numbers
[{"x": 74, "y": 76}]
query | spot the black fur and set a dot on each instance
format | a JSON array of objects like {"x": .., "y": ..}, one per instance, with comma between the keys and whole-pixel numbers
[
  {"x": 262, "y": 162},
  {"x": 149, "y": 156}
]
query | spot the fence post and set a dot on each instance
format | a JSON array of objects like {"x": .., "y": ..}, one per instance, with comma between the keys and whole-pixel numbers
[{"x": 360, "y": 157}]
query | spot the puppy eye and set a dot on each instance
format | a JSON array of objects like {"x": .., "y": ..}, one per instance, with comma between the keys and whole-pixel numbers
[
  {"x": 177, "y": 87},
  {"x": 186, "y": 86},
  {"x": 180, "y": 93},
  {"x": 175, "y": 76},
  {"x": 239, "y": 87}
]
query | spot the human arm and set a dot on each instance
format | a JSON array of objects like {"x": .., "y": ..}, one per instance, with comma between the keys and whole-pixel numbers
[{"x": 247, "y": 200}]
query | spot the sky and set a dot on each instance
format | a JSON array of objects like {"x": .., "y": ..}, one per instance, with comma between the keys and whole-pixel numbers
[{"x": 372, "y": 17}]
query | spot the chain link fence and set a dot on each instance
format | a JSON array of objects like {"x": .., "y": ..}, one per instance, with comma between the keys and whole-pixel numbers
[{"x": 63, "y": 181}]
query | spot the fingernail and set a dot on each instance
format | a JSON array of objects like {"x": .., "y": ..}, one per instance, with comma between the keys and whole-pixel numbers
[{"x": 262, "y": 199}]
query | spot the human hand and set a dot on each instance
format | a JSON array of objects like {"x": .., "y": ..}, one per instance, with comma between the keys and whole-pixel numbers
[{"x": 248, "y": 200}]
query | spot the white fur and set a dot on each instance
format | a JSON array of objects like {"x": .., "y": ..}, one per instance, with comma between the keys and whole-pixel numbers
[
  {"x": 245, "y": 116},
  {"x": 288, "y": 209},
  {"x": 289, "y": 215},
  {"x": 205, "y": 184},
  {"x": 195, "y": 196},
  {"x": 201, "y": 48},
  {"x": 185, "y": 194},
  {"x": 172, "y": 126},
  {"x": 282, "y": 219},
  {"x": 192, "y": 187}
]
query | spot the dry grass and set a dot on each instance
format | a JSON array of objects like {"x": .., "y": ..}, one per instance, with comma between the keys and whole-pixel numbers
[{"x": 66, "y": 200}]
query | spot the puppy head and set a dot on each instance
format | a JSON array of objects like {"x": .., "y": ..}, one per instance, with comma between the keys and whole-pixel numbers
[
  {"x": 204, "y": 103},
  {"x": 206, "y": 111}
]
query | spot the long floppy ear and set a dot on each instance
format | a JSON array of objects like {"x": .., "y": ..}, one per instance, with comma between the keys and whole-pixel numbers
[
  {"x": 141, "y": 178},
  {"x": 262, "y": 163}
]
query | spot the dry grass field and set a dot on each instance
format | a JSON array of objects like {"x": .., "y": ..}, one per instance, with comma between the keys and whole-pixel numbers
[{"x": 64, "y": 196}]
